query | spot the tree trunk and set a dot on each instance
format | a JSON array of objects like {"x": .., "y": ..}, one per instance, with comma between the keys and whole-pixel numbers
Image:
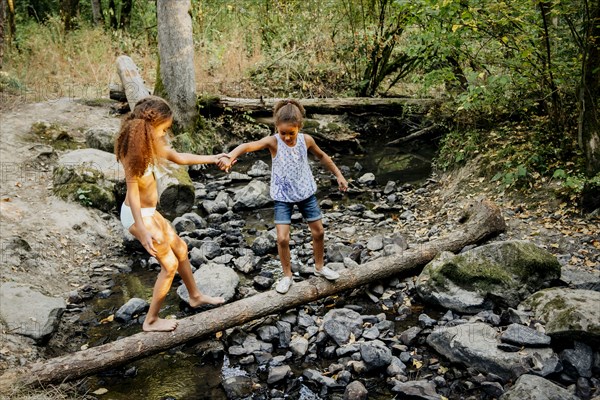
[
  {"x": 112, "y": 12},
  {"x": 12, "y": 26},
  {"x": 176, "y": 53},
  {"x": 97, "y": 17},
  {"x": 68, "y": 11},
  {"x": 126, "y": 7},
  {"x": 481, "y": 220},
  {"x": 333, "y": 106},
  {"x": 589, "y": 92},
  {"x": 175, "y": 188}
]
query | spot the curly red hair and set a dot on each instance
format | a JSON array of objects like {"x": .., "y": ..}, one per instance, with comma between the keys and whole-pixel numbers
[{"x": 135, "y": 145}]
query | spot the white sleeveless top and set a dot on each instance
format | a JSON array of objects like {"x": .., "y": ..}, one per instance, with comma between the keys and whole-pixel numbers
[{"x": 291, "y": 177}]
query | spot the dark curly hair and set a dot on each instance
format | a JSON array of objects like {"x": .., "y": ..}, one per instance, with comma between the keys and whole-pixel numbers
[
  {"x": 289, "y": 111},
  {"x": 135, "y": 141}
]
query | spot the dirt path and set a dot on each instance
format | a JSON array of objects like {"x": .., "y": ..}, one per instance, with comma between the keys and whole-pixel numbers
[{"x": 46, "y": 242}]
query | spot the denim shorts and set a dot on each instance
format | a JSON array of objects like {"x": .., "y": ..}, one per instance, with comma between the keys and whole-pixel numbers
[{"x": 309, "y": 208}]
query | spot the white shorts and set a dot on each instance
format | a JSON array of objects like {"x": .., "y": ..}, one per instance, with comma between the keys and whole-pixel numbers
[{"x": 127, "y": 216}]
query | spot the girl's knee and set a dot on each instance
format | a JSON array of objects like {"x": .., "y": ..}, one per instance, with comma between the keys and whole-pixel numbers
[
  {"x": 180, "y": 248},
  {"x": 318, "y": 233},
  {"x": 283, "y": 240}
]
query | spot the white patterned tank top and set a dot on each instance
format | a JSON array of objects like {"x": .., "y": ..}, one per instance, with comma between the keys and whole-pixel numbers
[{"x": 291, "y": 177}]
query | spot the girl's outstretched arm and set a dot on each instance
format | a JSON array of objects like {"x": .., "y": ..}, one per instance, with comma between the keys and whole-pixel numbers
[
  {"x": 268, "y": 142},
  {"x": 190, "y": 159},
  {"x": 311, "y": 146}
]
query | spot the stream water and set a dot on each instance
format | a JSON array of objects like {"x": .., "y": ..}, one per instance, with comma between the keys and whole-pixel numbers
[{"x": 181, "y": 373}]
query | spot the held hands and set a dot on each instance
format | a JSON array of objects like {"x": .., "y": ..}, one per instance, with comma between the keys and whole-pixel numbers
[{"x": 224, "y": 162}]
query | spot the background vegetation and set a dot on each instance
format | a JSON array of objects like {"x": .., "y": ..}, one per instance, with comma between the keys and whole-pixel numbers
[{"x": 511, "y": 73}]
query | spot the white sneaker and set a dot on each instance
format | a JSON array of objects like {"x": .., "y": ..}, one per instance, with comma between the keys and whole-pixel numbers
[
  {"x": 327, "y": 273},
  {"x": 284, "y": 284}
]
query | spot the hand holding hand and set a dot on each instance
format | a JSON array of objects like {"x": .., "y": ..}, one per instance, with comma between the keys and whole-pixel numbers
[{"x": 225, "y": 162}]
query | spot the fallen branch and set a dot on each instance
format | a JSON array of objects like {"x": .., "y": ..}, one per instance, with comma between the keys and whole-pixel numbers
[
  {"x": 481, "y": 220},
  {"x": 414, "y": 135}
]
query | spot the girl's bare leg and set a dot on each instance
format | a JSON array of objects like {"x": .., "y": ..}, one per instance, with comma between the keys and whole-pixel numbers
[
  {"x": 318, "y": 236},
  {"x": 283, "y": 248},
  {"x": 168, "y": 267},
  {"x": 180, "y": 249}
]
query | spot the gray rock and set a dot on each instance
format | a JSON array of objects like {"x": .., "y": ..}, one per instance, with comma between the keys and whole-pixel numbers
[
  {"x": 27, "y": 312},
  {"x": 524, "y": 336},
  {"x": 214, "y": 207},
  {"x": 101, "y": 138},
  {"x": 214, "y": 280},
  {"x": 223, "y": 259},
  {"x": 417, "y": 390},
  {"x": 263, "y": 282},
  {"x": 492, "y": 389},
  {"x": 391, "y": 249},
  {"x": 367, "y": 179},
  {"x": 278, "y": 373},
  {"x": 252, "y": 345},
  {"x": 259, "y": 168},
  {"x": 371, "y": 333},
  {"x": 426, "y": 322},
  {"x": 375, "y": 243},
  {"x": 181, "y": 224},
  {"x": 197, "y": 258},
  {"x": 198, "y": 221},
  {"x": 578, "y": 362},
  {"x": 350, "y": 263},
  {"x": 339, "y": 323},
  {"x": 285, "y": 333},
  {"x": 299, "y": 346},
  {"x": 265, "y": 244},
  {"x": 316, "y": 376},
  {"x": 347, "y": 349},
  {"x": 375, "y": 354},
  {"x": 268, "y": 333},
  {"x": 389, "y": 187},
  {"x": 567, "y": 313},
  {"x": 133, "y": 307},
  {"x": 338, "y": 252},
  {"x": 305, "y": 320},
  {"x": 408, "y": 336},
  {"x": 396, "y": 367},
  {"x": 578, "y": 279},
  {"x": 512, "y": 270},
  {"x": 237, "y": 387},
  {"x": 356, "y": 391},
  {"x": 254, "y": 195},
  {"x": 246, "y": 263},
  {"x": 475, "y": 345},
  {"x": 372, "y": 215},
  {"x": 533, "y": 387},
  {"x": 239, "y": 177},
  {"x": 210, "y": 249}
]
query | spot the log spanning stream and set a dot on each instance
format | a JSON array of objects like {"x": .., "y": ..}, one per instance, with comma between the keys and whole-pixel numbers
[{"x": 182, "y": 374}]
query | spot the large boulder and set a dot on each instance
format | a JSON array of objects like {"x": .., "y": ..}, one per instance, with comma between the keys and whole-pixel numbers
[
  {"x": 567, "y": 313},
  {"x": 476, "y": 345},
  {"x": 101, "y": 138},
  {"x": 89, "y": 177},
  {"x": 27, "y": 312},
  {"x": 213, "y": 280},
  {"x": 532, "y": 387},
  {"x": 497, "y": 274},
  {"x": 254, "y": 195}
]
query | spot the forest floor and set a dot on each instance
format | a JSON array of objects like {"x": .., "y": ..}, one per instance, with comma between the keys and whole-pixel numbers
[{"x": 67, "y": 239}]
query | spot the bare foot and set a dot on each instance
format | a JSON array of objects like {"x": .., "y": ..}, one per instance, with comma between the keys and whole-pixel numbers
[
  {"x": 160, "y": 325},
  {"x": 204, "y": 299}
]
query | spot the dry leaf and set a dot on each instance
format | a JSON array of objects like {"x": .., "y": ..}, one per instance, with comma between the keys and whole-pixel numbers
[
  {"x": 219, "y": 334},
  {"x": 108, "y": 319},
  {"x": 100, "y": 391},
  {"x": 417, "y": 364}
]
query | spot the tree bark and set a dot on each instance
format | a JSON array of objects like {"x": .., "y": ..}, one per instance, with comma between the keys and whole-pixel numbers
[
  {"x": 12, "y": 26},
  {"x": 126, "y": 7},
  {"x": 131, "y": 80},
  {"x": 481, "y": 220},
  {"x": 589, "y": 91},
  {"x": 68, "y": 11},
  {"x": 355, "y": 105},
  {"x": 97, "y": 17},
  {"x": 176, "y": 53}
]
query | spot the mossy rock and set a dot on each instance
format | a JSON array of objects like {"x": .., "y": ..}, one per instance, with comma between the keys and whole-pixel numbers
[
  {"x": 85, "y": 186},
  {"x": 495, "y": 275},
  {"x": 572, "y": 314}
]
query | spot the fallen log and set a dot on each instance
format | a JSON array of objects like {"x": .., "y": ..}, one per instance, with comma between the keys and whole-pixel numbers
[
  {"x": 356, "y": 105},
  {"x": 414, "y": 135},
  {"x": 131, "y": 80},
  {"x": 481, "y": 220}
]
